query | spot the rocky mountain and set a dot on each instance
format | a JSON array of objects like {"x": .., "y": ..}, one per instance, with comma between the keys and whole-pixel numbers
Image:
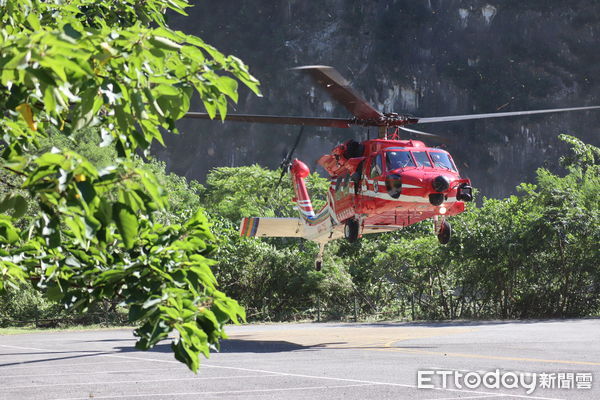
[{"x": 423, "y": 57}]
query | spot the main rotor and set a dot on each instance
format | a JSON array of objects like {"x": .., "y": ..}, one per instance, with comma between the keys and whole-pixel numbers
[{"x": 364, "y": 114}]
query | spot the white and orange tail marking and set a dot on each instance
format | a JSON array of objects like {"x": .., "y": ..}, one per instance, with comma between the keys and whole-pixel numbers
[{"x": 299, "y": 172}]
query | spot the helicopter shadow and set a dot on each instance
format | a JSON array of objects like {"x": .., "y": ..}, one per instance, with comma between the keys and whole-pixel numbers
[{"x": 242, "y": 346}]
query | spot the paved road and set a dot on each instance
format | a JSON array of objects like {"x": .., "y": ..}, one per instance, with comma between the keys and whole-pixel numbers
[{"x": 316, "y": 361}]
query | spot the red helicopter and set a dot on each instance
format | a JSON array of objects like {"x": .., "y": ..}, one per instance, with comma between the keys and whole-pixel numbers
[{"x": 378, "y": 185}]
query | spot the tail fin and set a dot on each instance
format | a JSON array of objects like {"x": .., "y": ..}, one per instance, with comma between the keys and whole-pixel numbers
[{"x": 299, "y": 172}]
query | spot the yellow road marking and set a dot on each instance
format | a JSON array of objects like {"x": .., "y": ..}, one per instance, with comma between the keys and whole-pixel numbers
[
  {"x": 380, "y": 338},
  {"x": 356, "y": 337},
  {"x": 389, "y": 347}
]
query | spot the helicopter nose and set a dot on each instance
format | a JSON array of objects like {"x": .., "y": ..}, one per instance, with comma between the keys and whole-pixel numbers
[{"x": 440, "y": 183}]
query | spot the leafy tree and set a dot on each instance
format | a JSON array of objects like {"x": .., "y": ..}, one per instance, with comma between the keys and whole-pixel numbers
[
  {"x": 534, "y": 255},
  {"x": 253, "y": 191},
  {"x": 97, "y": 231}
]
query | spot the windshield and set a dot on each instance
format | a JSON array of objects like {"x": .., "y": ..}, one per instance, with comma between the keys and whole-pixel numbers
[
  {"x": 442, "y": 160},
  {"x": 398, "y": 159},
  {"x": 421, "y": 159}
]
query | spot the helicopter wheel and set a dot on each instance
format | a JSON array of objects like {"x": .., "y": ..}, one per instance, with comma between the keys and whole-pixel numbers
[
  {"x": 445, "y": 233},
  {"x": 351, "y": 230}
]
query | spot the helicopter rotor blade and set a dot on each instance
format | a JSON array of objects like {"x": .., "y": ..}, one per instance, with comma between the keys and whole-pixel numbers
[
  {"x": 341, "y": 91},
  {"x": 283, "y": 171},
  {"x": 289, "y": 156},
  {"x": 499, "y": 115},
  {"x": 284, "y": 120},
  {"x": 429, "y": 135}
]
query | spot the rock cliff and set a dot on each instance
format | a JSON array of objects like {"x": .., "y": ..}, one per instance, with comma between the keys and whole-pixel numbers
[{"x": 423, "y": 57}]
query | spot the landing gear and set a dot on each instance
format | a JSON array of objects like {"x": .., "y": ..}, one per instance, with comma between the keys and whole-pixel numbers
[
  {"x": 319, "y": 260},
  {"x": 445, "y": 232},
  {"x": 318, "y": 265},
  {"x": 351, "y": 230}
]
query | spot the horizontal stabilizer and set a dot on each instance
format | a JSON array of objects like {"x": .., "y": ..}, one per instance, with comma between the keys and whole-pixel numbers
[{"x": 271, "y": 227}]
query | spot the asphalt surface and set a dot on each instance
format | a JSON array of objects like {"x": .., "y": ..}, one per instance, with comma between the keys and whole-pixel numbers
[{"x": 316, "y": 361}]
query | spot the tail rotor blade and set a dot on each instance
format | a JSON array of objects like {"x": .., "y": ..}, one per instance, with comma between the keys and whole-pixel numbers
[
  {"x": 287, "y": 161},
  {"x": 296, "y": 142},
  {"x": 283, "y": 171}
]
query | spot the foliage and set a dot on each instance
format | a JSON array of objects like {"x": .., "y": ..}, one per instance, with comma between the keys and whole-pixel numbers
[
  {"x": 236, "y": 192},
  {"x": 100, "y": 228},
  {"x": 25, "y": 304}
]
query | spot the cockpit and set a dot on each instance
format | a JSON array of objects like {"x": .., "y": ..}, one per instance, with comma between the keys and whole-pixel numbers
[
  {"x": 442, "y": 160},
  {"x": 398, "y": 159},
  {"x": 401, "y": 158}
]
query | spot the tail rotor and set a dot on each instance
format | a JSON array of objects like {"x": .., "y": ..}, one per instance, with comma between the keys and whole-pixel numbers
[{"x": 286, "y": 163}]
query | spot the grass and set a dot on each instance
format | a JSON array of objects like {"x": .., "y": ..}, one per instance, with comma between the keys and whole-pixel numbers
[{"x": 33, "y": 329}]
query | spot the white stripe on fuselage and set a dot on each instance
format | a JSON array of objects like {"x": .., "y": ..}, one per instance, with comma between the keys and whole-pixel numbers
[
  {"x": 404, "y": 185},
  {"x": 403, "y": 197}
]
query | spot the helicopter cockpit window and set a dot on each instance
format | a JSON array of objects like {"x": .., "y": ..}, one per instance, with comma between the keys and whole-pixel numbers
[
  {"x": 376, "y": 166},
  {"x": 421, "y": 159},
  {"x": 442, "y": 160},
  {"x": 398, "y": 159}
]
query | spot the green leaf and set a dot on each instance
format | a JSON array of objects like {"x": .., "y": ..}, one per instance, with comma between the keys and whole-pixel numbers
[
  {"x": 84, "y": 112},
  {"x": 8, "y": 231},
  {"x": 20, "y": 206},
  {"x": 34, "y": 21},
  {"x": 164, "y": 43},
  {"x": 71, "y": 32},
  {"x": 228, "y": 86},
  {"x": 193, "y": 53},
  {"x": 49, "y": 101},
  {"x": 54, "y": 292},
  {"x": 126, "y": 222},
  {"x": 7, "y": 203}
]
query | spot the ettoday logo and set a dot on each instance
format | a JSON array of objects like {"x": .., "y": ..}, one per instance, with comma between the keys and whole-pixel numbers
[{"x": 497, "y": 379}]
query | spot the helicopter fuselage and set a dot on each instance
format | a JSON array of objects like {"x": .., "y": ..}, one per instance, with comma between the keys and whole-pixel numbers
[{"x": 388, "y": 184}]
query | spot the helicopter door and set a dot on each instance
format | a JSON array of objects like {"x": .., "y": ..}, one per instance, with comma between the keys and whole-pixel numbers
[
  {"x": 343, "y": 200},
  {"x": 376, "y": 171},
  {"x": 372, "y": 173}
]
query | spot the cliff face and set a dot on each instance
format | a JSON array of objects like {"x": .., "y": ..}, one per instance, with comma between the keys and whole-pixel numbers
[{"x": 426, "y": 58}]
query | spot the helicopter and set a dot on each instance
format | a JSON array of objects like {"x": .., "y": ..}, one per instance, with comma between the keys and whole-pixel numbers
[{"x": 377, "y": 185}]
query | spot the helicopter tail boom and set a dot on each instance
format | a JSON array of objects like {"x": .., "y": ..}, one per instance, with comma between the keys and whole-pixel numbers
[
  {"x": 299, "y": 171},
  {"x": 315, "y": 227}
]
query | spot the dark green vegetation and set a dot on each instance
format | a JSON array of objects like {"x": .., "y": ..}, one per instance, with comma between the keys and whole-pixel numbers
[{"x": 84, "y": 227}]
